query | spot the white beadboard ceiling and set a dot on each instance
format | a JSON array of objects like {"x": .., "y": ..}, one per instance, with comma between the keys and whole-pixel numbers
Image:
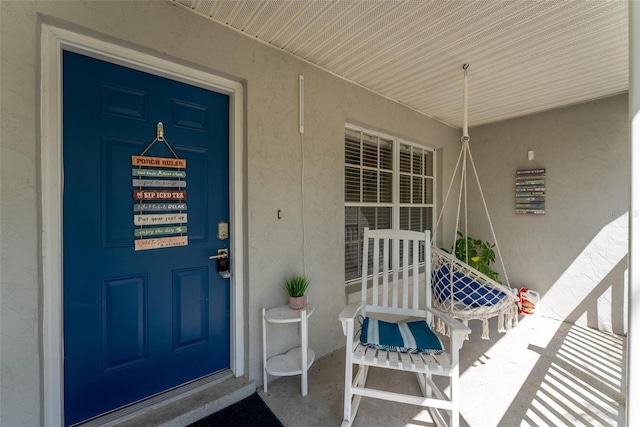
[{"x": 526, "y": 56}]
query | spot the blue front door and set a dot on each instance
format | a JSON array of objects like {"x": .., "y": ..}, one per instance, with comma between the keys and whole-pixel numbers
[{"x": 137, "y": 323}]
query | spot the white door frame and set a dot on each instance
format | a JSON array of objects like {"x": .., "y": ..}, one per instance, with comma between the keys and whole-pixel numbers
[{"x": 53, "y": 40}]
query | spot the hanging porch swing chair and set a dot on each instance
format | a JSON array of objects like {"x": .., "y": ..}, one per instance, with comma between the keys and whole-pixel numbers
[{"x": 459, "y": 289}]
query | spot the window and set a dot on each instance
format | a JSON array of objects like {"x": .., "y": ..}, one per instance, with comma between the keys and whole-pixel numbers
[{"x": 389, "y": 183}]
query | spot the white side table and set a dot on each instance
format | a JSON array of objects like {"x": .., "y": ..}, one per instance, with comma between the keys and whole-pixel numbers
[{"x": 296, "y": 361}]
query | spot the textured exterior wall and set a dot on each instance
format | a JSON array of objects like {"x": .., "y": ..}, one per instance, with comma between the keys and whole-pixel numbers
[
  {"x": 575, "y": 255},
  {"x": 272, "y": 171}
]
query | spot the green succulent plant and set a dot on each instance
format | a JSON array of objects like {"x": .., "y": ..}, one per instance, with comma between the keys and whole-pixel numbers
[{"x": 296, "y": 285}]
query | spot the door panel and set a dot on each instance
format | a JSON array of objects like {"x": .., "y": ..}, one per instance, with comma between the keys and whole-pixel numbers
[
  {"x": 137, "y": 323},
  {"x": 189, "y": 307},
  {"x": 123, "y": 322}
]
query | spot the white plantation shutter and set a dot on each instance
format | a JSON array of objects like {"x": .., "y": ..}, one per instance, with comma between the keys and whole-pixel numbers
[
  {"x": 416, "y": 187},
  {"x": 369, "y": 189}
]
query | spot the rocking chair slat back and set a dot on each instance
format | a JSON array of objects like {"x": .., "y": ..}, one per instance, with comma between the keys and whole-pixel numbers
[{"x": 395, "y": 272}]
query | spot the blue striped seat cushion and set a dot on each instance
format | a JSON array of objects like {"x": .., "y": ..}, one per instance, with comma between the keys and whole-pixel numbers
[{"x": 411, "y": 337}]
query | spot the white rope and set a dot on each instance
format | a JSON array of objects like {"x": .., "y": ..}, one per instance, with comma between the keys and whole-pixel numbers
[
  {"x": 465, "y": 146},
  {"x": 466, "y": 149},
  {"x": 466, "y": 213},
  {"x": 486, "y": 210},
  {"x": 444, "y": 203},
  {"x": 465, "y": 106},
  {"x": 455, "y": 231},
  {"x": 458, "y": 296},
  {"x": 463, "y": 190}
]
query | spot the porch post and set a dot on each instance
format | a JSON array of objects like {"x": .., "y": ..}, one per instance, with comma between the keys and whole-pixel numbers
[{"x": 633, "y": 333}]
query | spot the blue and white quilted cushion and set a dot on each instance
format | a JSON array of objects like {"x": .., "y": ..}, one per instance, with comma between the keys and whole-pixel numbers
[{"x": 410, "y": 337}]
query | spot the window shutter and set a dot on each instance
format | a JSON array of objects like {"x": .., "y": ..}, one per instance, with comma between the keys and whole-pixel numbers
[{"x": 369, "y": 190}]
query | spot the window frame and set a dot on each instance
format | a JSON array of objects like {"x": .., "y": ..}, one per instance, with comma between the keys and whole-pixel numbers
[{"x": 396, "y": 205}]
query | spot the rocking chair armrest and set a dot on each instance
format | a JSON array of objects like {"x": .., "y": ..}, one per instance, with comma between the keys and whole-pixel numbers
[
  {"x": 351, "y": 311},
  {"x": 454, "y": 324},
  {"x": 349, "y": 314}
]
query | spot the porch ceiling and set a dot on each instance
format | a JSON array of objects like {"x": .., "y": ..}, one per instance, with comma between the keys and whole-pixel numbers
[{"x": 526, "y": 56}]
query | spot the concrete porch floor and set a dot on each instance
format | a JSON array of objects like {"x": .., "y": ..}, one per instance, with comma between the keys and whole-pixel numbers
[{"x": 542, "y": 373}]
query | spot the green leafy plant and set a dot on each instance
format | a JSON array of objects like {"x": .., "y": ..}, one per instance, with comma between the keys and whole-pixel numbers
[
  {"x": 296, "y": 285},
  {"x": 478, "y": 254}
]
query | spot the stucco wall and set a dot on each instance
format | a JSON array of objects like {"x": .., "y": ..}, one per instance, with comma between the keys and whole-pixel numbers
[
  {"x": 272, "y": 170},
  {"x": 575, "y": 255}
]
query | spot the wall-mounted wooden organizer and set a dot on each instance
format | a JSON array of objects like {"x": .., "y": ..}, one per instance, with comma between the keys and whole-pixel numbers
[{"x": 530, "y": 192}]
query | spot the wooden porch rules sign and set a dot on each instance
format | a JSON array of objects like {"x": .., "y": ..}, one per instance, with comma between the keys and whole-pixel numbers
[{"x": 159, "y": 192}]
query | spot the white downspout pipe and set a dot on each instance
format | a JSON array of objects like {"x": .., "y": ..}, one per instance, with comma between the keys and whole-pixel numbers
[{"x": 633, "y": 332}]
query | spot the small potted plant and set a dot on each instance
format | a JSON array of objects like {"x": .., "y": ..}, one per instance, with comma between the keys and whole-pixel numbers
[{"x": 296, "y": 286}]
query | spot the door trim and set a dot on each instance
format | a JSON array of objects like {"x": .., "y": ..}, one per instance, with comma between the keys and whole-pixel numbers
[{"x": 53, "y": 40}]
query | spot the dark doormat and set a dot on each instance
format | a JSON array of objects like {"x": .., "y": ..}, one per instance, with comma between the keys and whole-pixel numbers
[{"x": 249, "y": 412}]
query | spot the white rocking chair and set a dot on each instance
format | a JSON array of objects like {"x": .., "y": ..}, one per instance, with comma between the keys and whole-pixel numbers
[{"x": 413, "y": 346}]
